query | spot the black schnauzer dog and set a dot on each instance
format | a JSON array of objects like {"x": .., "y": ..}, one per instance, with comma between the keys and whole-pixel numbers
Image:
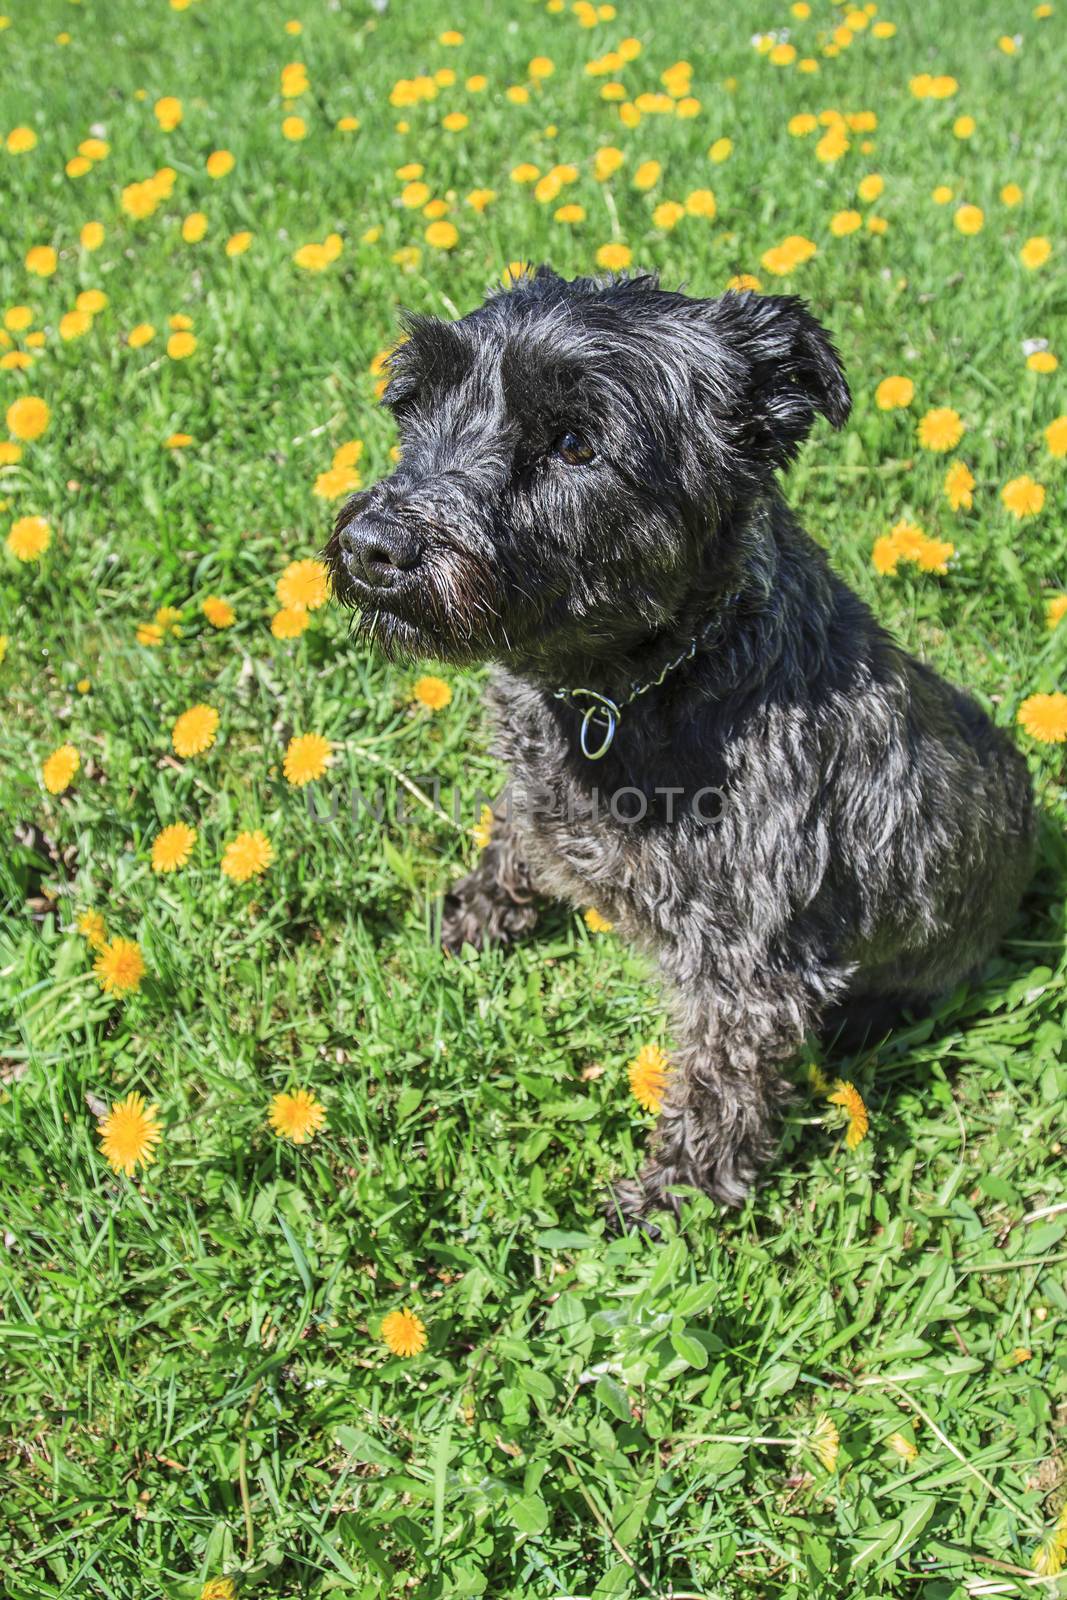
[{"x": 804, "y": 826}]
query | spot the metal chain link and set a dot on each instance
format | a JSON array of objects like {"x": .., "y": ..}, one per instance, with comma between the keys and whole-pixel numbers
[{"x": 602, "y": 709}]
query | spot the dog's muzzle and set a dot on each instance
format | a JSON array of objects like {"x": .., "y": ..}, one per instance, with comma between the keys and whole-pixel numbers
[{"x": 378, "y": 551}]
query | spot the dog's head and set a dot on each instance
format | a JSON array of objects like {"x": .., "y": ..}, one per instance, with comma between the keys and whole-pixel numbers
[{"x": 573, "y": 456}]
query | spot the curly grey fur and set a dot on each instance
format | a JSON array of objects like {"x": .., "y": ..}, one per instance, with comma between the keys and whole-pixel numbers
[{"x": 877, "y": 830}]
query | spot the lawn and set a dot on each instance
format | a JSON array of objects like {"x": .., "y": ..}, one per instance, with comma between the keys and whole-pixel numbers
[{"x": 854, "y": 1386}]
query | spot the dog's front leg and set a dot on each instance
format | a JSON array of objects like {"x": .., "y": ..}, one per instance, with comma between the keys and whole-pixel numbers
[
  {"x": 723, "y": 1097},
  {"x": 496, "y": 902}
]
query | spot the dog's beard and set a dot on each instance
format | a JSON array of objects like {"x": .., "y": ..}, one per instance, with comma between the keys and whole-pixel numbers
[{"x": 452, "y": 611}]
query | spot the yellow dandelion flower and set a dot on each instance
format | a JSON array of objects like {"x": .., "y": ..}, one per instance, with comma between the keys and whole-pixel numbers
[
  {"x": 1010, "y": 195},
  {"x": 41, "y": 260},
  {"x": 1056, "y": 437},
  {"x": 614, "y": 257},
  {"x": 608, "y": 160},
  {"x": 245, "y": 857},
  {"x": 570, "y": 213},
  {"x": 1055, "y": 610},
  {"x": 793, "y": 251},
  {"x": 482, "y": 831},
  {"x": 433, "y": 693},
  {"x": 668, "y": 214},
  {"x": 307, "y": 757},
  {"x": 870, "y": 187},
  {"x": 181, "y": 345},
  {"x": 1023, "y": 497},
  {"x": 1042, "y": 361},
  {"x": 478, "y": 199},
  {"x": 93, "y": 929},
  {"x": 742, "y": 281},
  {"x": 177, "y": 441},
  {"x": 218, "y": 612},
  {"x": 647, "y": 175},
  {"x": 595, "y": 922},
  {"x": 172, "y": 847},
  {"x": 347, "y": 454},
  {"x": 941, "y": 429},
  {"x": 59, "y": 768},
  {"x": 832, "y": 146},
  {"x": 1044, "y": 717},
  {"x": 902, "y": 1447},
  {"x": 297, "y": 1117},
  {"x": 969, "y": 219},
  {"x": 885, "y": 556},
  {"x": 303, "y": 586},
  {"x": 91, "y": 236},
  {"x": 647, "y": 1075},
  {"x": 140, "y": 335},
  {"x": 28, "y": 538},
  {"x": 73, "y": 324},
  {"x": 404, "y": 1333},
  {"x": 964, "y": 127},
  {"x": 194, "y": 731},
  {"x": 893, "y": 394},
  {"x": 442, "y": 235},
  {"x": 289, "y": 622},
  {"x": 168, "y": 112},
  {"x": 219, "y": 163},
  {"x": 848, "y": 1096},
  {"x": 959, "y": 486},
  {"x": 1035, "y": 252},
  {"x": 701, "y": 203},
  {"x": 20, "y": 141},
  {"x": 908, "y": 540},
  {"x": 28, "y": 417},
  {"x": 825, "y": 1441},
  {"x": 294, "y": 128},
  {"x": 842, "y": 223},
  {"x": 336, "y": 482},
  {"x": 130, "y": 1132},
  {"x": 10, "y": 453},
  {"x": 934, "y": 555},
  {"x": 120, "y": 967},
  {"x": 149, "y": 634},
  {"x": 223, "y": 1588},
  {"x": 91, "y": 301}
]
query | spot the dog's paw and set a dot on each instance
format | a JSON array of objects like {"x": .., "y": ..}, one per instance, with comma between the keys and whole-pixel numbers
[
  {"x": 460, "y": 925},
  {"x": 478, "y": 919}
]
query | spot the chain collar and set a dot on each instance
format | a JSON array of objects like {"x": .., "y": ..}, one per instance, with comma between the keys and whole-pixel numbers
[{"x": 602, "y": 715}]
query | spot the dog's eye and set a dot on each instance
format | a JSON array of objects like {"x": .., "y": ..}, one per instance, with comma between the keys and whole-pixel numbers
[{"x": 573, "y": 449}]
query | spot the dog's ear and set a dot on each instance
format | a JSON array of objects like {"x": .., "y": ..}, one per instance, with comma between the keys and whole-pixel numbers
[{"x": 791, "y": 370}]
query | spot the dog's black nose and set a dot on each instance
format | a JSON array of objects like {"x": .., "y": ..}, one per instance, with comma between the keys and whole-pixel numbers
[{"x": 380, "y": 551}]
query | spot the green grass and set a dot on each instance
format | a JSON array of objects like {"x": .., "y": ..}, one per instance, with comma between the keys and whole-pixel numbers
[{"x": 193, "y": 1379}]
